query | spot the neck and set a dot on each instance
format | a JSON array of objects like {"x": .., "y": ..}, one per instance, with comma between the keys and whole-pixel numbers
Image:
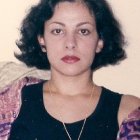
[{"x": 71, "y": 85}]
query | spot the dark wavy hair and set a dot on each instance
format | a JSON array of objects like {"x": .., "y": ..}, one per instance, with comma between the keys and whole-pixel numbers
[{"x": 108, "y": 29}]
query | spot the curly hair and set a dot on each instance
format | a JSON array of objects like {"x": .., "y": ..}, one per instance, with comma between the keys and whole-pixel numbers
[{"x": 108, "y": 29}]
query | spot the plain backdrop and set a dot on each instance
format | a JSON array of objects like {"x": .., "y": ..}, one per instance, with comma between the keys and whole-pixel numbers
[{"x": 124, "y": 78}]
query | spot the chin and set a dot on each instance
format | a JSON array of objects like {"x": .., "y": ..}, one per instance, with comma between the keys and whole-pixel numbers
[
  {"x": 73, "y": 72},
  {"x": 70, "y": 70}
]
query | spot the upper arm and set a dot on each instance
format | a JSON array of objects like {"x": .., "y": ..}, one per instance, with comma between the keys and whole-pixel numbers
[{"x": 128, "y": 104}]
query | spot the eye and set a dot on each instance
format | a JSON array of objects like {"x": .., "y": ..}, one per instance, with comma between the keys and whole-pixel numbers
[
  {"x": 57, "y": 31},
  {"x": 84, "y": 31}
]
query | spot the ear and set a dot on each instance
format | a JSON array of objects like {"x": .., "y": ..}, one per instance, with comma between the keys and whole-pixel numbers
[
  {"x": 42, "y": 43},
  {"x": 100, "y": 46}
]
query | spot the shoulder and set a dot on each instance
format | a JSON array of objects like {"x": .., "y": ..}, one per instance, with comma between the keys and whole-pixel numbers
[
  {"x": 31, "y": 91},
  {"x": 128, "y": 104}
]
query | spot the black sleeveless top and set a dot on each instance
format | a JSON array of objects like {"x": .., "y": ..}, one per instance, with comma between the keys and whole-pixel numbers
[{"x": 35, "y": 123}]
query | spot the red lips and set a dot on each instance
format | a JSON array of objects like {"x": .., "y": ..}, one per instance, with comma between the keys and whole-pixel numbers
[{"x": 70, "y": 59}]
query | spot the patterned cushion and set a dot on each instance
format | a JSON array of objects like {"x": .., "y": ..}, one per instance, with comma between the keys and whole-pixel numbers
[
  {"x": 10, "y": 103},
  {"x": 130, "y": 128},
  {"x": 13, "y": 77}
]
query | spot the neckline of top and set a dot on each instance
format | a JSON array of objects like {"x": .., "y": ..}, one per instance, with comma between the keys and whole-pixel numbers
[{"x": 47, "y": 114}]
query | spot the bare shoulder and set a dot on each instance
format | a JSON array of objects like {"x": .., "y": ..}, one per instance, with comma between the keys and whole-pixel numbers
[{"x": 128, "y": 104}]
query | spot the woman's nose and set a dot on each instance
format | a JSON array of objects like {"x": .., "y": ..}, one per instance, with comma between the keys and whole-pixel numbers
[{"x": 70, "y": 42}]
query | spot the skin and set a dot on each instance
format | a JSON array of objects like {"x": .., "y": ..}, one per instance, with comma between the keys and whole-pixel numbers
[
  {"x": 74, "y": 33},
  {"x": 70, "y": 39}
]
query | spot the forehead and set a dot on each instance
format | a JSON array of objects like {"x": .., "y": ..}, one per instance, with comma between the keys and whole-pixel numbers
[{"x": 72, "y": 11}]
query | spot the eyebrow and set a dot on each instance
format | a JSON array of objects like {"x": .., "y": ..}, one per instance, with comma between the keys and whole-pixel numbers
[
  {"x": 80, "y": 24},
  {"x": 56, "y": 22},
  {"x": 83, "y": 23}
]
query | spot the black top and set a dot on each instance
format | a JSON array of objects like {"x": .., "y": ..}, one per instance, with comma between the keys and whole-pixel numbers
[{"x": 35, "y": 123}]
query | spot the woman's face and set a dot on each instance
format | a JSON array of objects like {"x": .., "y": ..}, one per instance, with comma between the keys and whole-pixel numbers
[{"x": 70, "y": 39}]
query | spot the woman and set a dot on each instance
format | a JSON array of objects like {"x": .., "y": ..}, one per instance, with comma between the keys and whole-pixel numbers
[{"x": 72, "y": 38}]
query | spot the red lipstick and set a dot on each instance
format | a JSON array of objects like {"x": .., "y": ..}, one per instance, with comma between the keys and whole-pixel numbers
[{"x": 70, "y": 59}]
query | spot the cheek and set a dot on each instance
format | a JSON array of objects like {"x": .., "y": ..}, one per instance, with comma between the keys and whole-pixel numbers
[
  {"x": 88, "y": 55},
  {"x": 89, "y": 50},
  {"x": 52, "y": 45},
  {"x": 53, "y": 50},
  {"x": 89, "y": 46}
]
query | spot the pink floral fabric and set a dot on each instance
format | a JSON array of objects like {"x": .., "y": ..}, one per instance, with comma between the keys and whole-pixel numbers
[
  {"x": 10, "y": 101},
  {"x": 130, "y": 128}
]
